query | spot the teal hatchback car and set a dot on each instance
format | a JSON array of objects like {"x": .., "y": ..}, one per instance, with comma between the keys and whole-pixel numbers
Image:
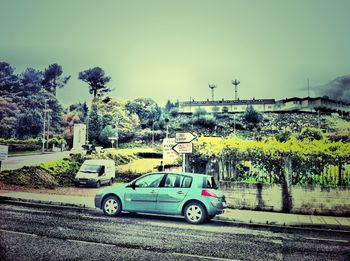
[{"x": 194, "y": 196}]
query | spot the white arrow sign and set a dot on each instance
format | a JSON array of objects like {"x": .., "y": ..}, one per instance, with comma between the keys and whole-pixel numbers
[
  {"x": 184, "y": 137},
  {"x": 183, "y": 148}
]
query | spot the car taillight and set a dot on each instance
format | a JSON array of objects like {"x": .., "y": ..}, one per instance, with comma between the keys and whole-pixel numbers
[{"x": 208, "y": 193}]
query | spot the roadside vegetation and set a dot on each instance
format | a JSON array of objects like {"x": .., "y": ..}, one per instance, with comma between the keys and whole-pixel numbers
[{"x": 315, "y": 148}]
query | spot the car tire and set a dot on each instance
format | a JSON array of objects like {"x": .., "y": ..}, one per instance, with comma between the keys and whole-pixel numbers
[
  {"x": 210, "y": 217},
  {"x": 110, "y": 182},
  {"x": 98, "y": 184},
  {"x": 112, "y": 206},
  {"x": 195, "y": 213}
]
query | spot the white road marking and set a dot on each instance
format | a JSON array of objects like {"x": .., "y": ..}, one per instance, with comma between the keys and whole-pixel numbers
[
  {"x": 205, "y": 257},
  {"x": 326, "y": 239},
  {"x": 20, "y": 233},
  {"x": 89, "y": 242}
]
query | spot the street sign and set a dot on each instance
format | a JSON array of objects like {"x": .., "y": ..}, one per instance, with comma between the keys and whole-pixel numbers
[
  {"x": 184, "y": 137},
  {"x": 3, "y": 152},
  {"x": 168, "y": 154},
  {"x": 183, "y": 148}
]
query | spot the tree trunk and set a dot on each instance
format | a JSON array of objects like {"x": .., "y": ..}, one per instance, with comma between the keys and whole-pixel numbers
[{"x": 340, "y": 168}]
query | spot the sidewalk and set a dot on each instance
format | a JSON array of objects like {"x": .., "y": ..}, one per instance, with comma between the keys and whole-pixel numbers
[{"x": 230, "y": 215}]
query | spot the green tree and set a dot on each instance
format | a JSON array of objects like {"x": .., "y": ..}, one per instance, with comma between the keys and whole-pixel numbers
[
  {"x": 8, "y": 117},
  {"x": 94, "y": 126},
  {"x": 107, "y": 132},
  {"x": 53, "y": 79},
  {"x": 252, "y": 117},
  {"x": 147, "y": 110},
  {"x": 9, "y": 82},
  {"x": 29, "y": 124},
  {"x": 97, "y": 81}
]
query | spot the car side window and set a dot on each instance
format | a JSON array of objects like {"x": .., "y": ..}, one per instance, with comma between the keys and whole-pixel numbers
[
  {"x": 150, "y": 181},
  {"x": 172, "y": 181},
  {"x": 186, "y": 182}
]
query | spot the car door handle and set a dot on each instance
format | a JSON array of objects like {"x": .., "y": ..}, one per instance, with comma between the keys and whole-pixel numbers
[
  {"x": 180, "y": 192},
  {"x": 153, "y": 192}
]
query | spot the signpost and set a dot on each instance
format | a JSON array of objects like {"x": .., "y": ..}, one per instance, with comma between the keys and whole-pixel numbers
[
  {"x": 184, "y": 145},
  {"x": 3, "y": 153}
]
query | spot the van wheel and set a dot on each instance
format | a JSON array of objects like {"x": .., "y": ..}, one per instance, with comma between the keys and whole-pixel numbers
[
  {"x": 110, "y": 182},
  {"x": 195, "y": 213},
  {"x": 112, "y": 206},
  {"x": 98, "y": 184}
]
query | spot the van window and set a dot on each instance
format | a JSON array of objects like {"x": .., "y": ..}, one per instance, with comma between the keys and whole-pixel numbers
[{"x": 89, "y": 168}]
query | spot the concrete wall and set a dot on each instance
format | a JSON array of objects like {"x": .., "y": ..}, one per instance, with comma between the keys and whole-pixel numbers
[{"x": 305, "y": 199}]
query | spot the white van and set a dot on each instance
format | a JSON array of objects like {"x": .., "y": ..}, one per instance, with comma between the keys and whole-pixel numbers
[{"x": 95, "y": 173}]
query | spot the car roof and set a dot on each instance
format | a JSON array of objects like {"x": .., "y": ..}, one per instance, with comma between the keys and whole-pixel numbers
[
  {"x": 99, "y": 161},
  {"x": 182, "y": 173}
]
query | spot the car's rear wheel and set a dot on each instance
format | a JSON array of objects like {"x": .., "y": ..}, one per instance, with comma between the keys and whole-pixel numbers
[
  {"x": 98, "y": 184},
  {"x": 112, "y": 206},
  {"x": 195, "y": 213}
]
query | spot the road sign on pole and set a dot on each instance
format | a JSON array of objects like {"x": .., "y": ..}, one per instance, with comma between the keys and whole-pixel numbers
[
  {"x": 169, "y": 155},
  {"x": 184, "y": 137},
  {"x": 183, "y": 148}
]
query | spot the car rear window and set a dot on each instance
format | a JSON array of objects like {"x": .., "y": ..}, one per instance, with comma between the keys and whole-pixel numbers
[{"x": 209, "y": 182}]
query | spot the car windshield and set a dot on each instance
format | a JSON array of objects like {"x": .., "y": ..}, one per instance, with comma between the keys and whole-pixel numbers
[{"x": 88, "y": 168}]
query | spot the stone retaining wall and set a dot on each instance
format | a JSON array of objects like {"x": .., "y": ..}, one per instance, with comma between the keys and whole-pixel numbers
[{"x": 305, "y": 199}]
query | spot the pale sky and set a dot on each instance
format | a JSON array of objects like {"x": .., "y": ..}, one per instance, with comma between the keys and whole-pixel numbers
[{"x": 172, "y": 49}]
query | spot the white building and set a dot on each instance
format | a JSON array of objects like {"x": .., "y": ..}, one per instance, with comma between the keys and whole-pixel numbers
[{"x": 295, "y": 104}]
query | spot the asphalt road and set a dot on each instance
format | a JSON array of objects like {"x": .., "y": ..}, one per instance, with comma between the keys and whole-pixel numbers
[
  {"x": 17, "y": 162},
  {"x": 32, "y": 232}
]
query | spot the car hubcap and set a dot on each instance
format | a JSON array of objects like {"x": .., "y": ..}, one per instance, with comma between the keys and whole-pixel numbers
[
  {"x": 194, "y": 213},
  {"x": 111, "y": 206}
]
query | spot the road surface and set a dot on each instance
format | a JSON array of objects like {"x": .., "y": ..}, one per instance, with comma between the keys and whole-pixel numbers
[
  {"x": 17, "y": 162},
  {"x": 32, "y": 232}
]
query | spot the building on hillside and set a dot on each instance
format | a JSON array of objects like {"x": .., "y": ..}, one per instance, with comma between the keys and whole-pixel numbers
[{"x": 307, "y": 104}]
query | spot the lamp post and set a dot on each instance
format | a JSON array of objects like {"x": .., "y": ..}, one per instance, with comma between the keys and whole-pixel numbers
[{"x": 235, "y": 82}]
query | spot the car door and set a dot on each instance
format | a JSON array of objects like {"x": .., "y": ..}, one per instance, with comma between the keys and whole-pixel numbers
[
  {"x": 172, "y": 193},
  {"x": 142, "y": 196}
]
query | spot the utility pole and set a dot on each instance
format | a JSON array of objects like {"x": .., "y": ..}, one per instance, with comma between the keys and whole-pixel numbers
[
  {"x": 235, "y": 83},
  {"x": 44, "y": 127},
  {"x": 48, "y": 130}
]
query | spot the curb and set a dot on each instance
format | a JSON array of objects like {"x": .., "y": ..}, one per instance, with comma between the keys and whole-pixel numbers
[
  {"x": 29, "y": 154},
  {"x": 218, "y": 219}
]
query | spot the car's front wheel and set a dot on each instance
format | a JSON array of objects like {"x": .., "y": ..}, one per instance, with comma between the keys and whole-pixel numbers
[
  {"x": 112, "y": 206},
  {"x": 195, "y": 213}
]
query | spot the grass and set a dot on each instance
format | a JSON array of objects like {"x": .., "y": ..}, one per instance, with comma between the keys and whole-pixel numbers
[{"x": 139, "y": 166}]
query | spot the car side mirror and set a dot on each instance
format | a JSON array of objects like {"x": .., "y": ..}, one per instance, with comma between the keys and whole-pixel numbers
[
  {"x": 102, "y": 171},
  {"x": 132, "y": 185}
]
